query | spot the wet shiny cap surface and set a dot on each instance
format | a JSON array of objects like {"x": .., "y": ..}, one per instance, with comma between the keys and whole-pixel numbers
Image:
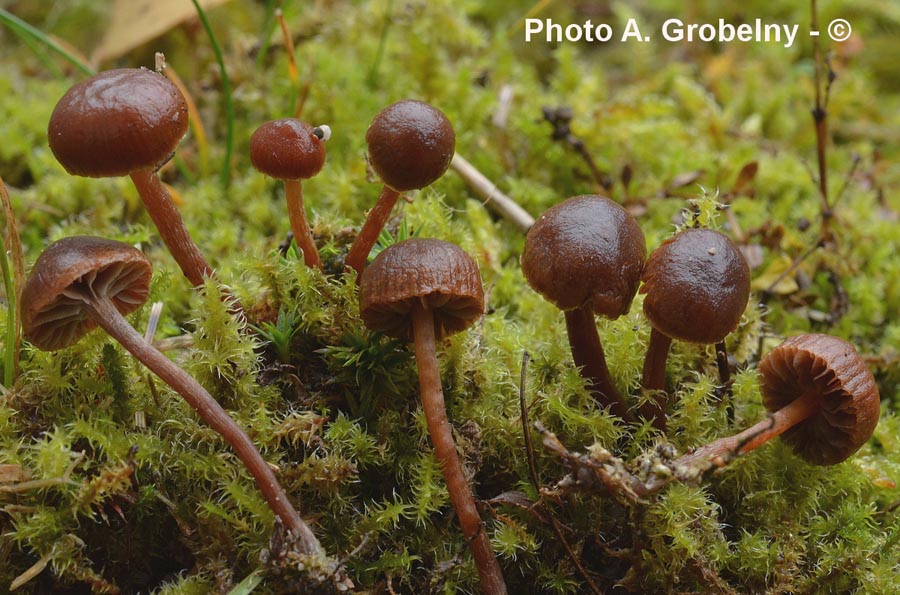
[
  {"x": 437, "y": 274},
  {"x": 287, "y": 149},
  {"x": 411, "y": 144},
  {"x": 697, "y": 285},
  {"x": 52, "y": 315},
  {"x": 585, "y": 249},
  {"x": 829, "y": 367},
  {"x": 116, "y": 122}
]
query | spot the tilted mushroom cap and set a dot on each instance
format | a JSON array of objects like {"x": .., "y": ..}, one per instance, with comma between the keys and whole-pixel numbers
[
  {"x": 832, "y": 368},
  {"x": 411, "y": 144},
  {"x": 438, "y": 274},
  {"x": 287, "y": 149},
  {"x": 585, "y": 249},
  {"x": 52, "y": 315},
  {"x": 697, "y": 285},
  {"x": 117, "y": 122}
]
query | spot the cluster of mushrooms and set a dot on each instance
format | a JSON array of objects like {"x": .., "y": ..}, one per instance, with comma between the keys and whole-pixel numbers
[{"x": 587, "y": 255}]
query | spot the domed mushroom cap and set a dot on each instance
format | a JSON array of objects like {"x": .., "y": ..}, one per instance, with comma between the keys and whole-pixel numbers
[
  {"x": 438, "y": 274},
  {"x": 697, "y": 285},
  {"x": 585, "y": 249},
  {"x": 411, "y": 144},
  {"x": 117, "y": 122},
  {"x": 287, "y": 149},
  {"x": 830, "y": 367},
  {"x": 53, "y": 317}
]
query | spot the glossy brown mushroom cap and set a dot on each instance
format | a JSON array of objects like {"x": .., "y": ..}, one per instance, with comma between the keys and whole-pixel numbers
[
  {"x": 585, "y": 249},
  {"x": 117, "y": 122},
  {"x": 697, "y": 285},
  {"x": 411, "y": 144},
  {"x": 53, "y": 317},
  {"x": 287, "y": 149},
  {"x": 830, "y": 367},
  {"x": 435, "y": 273}
]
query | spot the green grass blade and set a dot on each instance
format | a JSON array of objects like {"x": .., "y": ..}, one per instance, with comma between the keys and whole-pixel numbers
[
  {"x": 225, "y": 174},
  {"x": 24, "y": 30}
]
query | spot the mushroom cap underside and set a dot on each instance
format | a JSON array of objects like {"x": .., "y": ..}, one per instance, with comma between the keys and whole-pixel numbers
[{"x": 53, "y": 315}]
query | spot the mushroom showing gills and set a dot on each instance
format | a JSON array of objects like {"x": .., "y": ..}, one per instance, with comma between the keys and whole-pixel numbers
[
  {"x": 423, "y": 289},
  {"x": 411, "y": 145},
  {"x": 823, "y": 399},
  {"x": 79, "y": 283},
  {"x": 128, "y": 122},
  {"x": 585, "y": 255},
  {"x": 291, "y": 150},
  {"x": 697, "y": 285}
]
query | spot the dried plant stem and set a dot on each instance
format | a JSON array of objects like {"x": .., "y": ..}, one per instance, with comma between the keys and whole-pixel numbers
[{"x": 493, "y": 198}]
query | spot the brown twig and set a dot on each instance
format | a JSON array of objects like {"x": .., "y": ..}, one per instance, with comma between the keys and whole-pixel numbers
[{"x": 532, "y": 468}]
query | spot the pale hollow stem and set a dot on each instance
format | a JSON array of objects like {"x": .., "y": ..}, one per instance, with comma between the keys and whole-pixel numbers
[
  {"x": 490, "y": 576},
  {"x": 654, "y": 379},
  {"x": 105, "y": 314},
  {"x": 293, "y": 194},
  {"x": 371, "y": 229},
  {"x": 587, "y": 351},
  {"x": 720, "y": 451},
  {"x": 171, "y": 226}
]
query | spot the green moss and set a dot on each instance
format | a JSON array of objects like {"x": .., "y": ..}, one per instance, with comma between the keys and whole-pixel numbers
[{"x": 131, "y": 492}]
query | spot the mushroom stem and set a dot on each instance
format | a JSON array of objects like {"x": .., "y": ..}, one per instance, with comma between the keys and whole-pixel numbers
[
  {"x": 587, "y": 351},
  {"x": 171, "y": 226},
  {"x": 105, "y": 314},
  {"x": 491, "y": 578},
  {"x": 368, "y": 235},
  {"x": 776, "y": 424},
  {"x": 655, "y": 378},
  {"x": 293, "y": 193}
]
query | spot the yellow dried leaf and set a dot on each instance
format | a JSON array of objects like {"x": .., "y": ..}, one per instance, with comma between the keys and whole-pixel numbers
[
  {"x": 769, "y": 280},
  {"x": 135, "y": 22}
]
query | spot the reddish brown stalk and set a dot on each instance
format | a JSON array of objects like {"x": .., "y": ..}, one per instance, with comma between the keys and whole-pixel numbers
[
  {"x": 820, "y": 117},
  {"x": 587, "y": 351},
  {"x": 105, "y": 314},
  {"x": 655, "y": 378},
  {"x": 293, "y": 193},
  {"x": 490, "y": 576},
  {"x": 723, "y": 449},
  {"x": 171, "y": 226},
  {"x": 371, "y": 229}
]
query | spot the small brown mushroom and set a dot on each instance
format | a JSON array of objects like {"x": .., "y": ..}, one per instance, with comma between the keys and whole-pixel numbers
[
  {"x": 585, "y": 255},
  {"x": 79, "y": 283},
  {"x": 823, "y": 402},
  {"x": 423, "y": 290},
  {"x": 697, "y": 286},
  {"x": 411, "y": 144},
  {"x": 128, "y": 122},
  {"x": 291, "y": 150}
]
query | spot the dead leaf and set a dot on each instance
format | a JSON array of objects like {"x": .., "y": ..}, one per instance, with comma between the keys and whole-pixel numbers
[
  {"x": 745, "y": 177},
  {"x": 135, "y": 22},
  {"x": 774, "y": 279}
]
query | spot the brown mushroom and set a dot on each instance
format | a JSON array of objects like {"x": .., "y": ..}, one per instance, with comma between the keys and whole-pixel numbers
[
  {"x": 823, "y": 402},
  {"x": 291, "y": 150},
  {"x": 697, "y": 286},
  {"x": 81, "y": 282},
  {"x": 585, "y": 255},
  {"x": 423, "y": 290},
  {"x": 128, "y": 122},
  {"x": 410, "y": 144}
]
